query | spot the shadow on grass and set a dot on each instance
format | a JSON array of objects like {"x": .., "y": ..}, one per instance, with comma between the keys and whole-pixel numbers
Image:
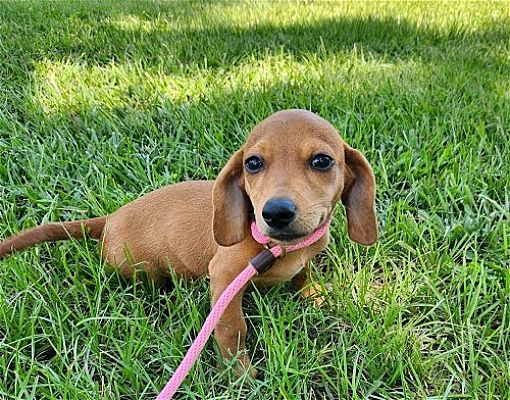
[
  {"x": 158, "y": 36},
  {"x": 94, "y": 36}
]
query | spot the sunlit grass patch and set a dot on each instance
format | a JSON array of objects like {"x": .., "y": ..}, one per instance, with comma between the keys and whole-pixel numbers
[{"x": 66, "y": 87}]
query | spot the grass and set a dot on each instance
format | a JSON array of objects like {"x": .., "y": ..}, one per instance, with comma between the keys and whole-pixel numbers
[{"x": 103, "y": 101}]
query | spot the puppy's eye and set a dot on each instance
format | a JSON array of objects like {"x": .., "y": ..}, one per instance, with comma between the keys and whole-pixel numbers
[
  {"x": 254, "y": 164},
  {"x": 321, "y": 162}
]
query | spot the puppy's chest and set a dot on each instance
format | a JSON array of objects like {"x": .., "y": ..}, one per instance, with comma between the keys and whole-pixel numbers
[{"x": 284, "y": 269}]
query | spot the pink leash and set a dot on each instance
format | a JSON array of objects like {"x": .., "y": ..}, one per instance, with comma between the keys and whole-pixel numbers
[{"x": 258, "y": 265}]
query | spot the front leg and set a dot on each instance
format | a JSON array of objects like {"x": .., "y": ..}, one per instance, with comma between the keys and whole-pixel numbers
[{"x": 230, "y": 332}]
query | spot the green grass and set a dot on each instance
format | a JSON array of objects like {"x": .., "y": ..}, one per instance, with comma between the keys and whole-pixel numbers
[{"x": 101, "y": 102}]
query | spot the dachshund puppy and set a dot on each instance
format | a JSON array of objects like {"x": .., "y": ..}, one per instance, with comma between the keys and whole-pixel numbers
[{"x": 292, "y": 170}]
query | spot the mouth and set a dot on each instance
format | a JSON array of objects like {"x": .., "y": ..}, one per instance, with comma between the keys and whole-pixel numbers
[
  {"x": 292, "y": 234},
  {"x": 288, "y": 238}
]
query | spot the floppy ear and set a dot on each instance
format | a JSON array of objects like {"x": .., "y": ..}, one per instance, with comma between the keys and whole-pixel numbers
[
  {"x": 358, "y": 197},
  {"x": 230, "y": 203}
]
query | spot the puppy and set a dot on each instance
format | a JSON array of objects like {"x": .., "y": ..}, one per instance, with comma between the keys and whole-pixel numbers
[{"x": 288, "y": 177}]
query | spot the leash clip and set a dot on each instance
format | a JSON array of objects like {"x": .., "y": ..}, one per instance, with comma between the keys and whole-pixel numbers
[{"x": 263, "y": 261}]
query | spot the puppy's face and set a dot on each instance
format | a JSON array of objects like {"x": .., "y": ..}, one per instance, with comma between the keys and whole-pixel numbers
[
  {"x": 294, "y": 174},
  {"x": 291, "y": 172}
]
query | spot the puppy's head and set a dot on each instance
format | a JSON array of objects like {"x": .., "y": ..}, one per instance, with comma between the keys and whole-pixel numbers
[{"x": 291, "y": 172}]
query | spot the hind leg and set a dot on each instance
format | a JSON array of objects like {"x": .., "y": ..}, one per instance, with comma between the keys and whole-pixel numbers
[{"x": 121, "y": 259}]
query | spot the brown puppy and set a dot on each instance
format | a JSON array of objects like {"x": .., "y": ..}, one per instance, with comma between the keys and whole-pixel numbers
[{"x": 289, "y": 175}]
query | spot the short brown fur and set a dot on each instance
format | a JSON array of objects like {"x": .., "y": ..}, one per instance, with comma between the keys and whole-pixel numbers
[{"x": 201, "y": 227}]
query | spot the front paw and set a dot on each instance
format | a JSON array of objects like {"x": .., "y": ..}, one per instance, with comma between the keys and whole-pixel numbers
[
  {"x": 317, "y": 293},
  {"x": 241, "y": 371},
  {"x": 241, "y": 366}
]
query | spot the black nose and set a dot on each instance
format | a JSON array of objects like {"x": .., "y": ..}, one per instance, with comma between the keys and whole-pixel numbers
[{"x": 279, "y": 212}]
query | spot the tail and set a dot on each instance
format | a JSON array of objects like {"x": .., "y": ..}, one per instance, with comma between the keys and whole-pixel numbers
[{"x": 53, "y": 232}]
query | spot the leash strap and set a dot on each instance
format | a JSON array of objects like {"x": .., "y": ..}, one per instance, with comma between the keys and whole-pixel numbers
[
  {"x": 209, "y": 324},
  {"x": 258, "y": 265}
]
